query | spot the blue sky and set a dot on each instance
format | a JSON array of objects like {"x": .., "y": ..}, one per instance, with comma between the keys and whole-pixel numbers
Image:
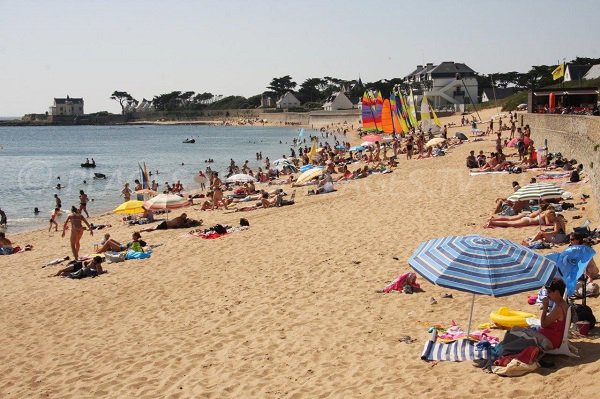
[{"x": 91, "y": 48}]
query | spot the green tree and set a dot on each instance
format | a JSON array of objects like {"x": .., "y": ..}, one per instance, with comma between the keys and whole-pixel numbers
[
  {"x": 310, "y": 90},
  {"x": 123, "y": 98},
  {"x": 254, "y": 101},
  {"x": 282, "y": 85},
  {"x": 167, "y": 102}
]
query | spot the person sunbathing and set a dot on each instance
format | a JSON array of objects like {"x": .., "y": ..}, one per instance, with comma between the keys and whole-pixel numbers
[
  {"x": 95, "y": 265},
  {"x": 109, "y": 244},
  {"x": 557, "y": 235},
  {"x": 6, "y": 246},
  {"x": 491, "y": 164},
  {"x": 538, "y": 218},
  {"x": 179, "y": 222}
]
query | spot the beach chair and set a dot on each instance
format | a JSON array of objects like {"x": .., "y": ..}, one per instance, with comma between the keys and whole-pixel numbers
[{"x": 566, "y": 348}]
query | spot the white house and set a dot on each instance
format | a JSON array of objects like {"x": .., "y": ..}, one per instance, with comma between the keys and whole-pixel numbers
[
  {"x": 337, "y": 101},
  {"x": 288, "y": 100},
  {"x": 447, "y": 84},
  {"x": 497, "y": 93},
  {"x": 67, "y": 106}
]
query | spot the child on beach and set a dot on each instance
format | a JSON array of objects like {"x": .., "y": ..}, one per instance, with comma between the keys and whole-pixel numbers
[{"x": 53, "y": 217}]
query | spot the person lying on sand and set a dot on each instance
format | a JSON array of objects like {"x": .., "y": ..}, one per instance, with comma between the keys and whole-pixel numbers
[
  {"x": 6, "y": 247},
  {"x": 110, "y": 244},
  {"x": 544, "y": 217},
  {"x": 180, "y": 222},
  {"x": 94, "y": 265}
]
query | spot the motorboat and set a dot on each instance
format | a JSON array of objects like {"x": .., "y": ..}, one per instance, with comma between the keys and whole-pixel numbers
[
  {"x": 88, "y": 165},
  {"x": 189, "y": 141}
]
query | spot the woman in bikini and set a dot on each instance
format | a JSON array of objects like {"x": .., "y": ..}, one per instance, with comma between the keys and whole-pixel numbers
[
  {"x": 545, "y": 217},
  {"x": 76, "y": 230},
  {"x": 217, "y": 191},
  {"x": 556, "y": 235}
]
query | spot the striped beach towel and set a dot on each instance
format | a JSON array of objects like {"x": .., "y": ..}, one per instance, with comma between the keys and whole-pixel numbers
[{"x": 456, "y": 351}]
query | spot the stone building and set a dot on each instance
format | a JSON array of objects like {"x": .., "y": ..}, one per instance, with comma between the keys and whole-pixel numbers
[{"x": 67, "y": 106}]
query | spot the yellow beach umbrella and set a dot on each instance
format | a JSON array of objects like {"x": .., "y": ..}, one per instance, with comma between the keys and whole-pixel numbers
[
  {"x": 130, "y": 207},
  {"x": 309, "y": 175}
]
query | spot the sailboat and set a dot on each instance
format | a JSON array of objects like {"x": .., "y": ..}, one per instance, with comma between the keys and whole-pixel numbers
[{"x": 427, "y": 123}]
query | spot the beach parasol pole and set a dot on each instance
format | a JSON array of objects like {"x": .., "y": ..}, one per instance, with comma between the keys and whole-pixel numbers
[{"x": 471, "y": 316}]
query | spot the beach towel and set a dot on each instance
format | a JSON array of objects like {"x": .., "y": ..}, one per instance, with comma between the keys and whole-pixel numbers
[
  {"x": 553, "y": 175},
  {"x": 402, "y": 280},
  {"x": 456, "y": 351},
  {"x": 493, "y": 172}
]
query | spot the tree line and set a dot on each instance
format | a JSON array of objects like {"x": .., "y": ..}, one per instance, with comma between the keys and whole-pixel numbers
[{"x": 314, "y": 91}]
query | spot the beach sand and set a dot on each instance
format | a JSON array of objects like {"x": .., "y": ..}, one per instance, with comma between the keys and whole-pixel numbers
[{"x": 286, "y": 309}]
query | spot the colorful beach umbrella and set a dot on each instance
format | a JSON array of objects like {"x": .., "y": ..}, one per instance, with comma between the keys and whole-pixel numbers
[
  {"x": 166, "y": 201},
  {"x": 368, "y": 144},
  {"x": 482, "y": 265},
  {"x": 130, "y": 207},
  {"x": 309, "y": 175},
  {"x": 537, "y": 191},
  {"x": 515, "y": 140},
  {"x": 372, "y": 137},
  {"x": 240, "y": 178}
]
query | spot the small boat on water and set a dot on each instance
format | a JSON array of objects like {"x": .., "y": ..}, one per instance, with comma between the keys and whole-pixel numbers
[
  {"x": 99, "y": 176},
  {"x": 88, "y": 165},
  {"x": 189, "y": 141}
]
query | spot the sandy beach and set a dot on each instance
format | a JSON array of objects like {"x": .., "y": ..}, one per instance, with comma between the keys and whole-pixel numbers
[{"x": 286, "y": 309}]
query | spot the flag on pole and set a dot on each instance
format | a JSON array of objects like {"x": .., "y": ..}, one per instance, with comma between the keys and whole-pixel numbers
[{"x": 558, "y": 72}]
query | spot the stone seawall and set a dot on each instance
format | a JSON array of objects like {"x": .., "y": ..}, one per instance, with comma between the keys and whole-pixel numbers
[
  {"x": 573, "y": 136},
  {"x": 316, "y": 118}
]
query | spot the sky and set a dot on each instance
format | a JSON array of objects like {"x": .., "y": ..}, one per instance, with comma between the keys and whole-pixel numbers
[{"x": 91, "y": 48}]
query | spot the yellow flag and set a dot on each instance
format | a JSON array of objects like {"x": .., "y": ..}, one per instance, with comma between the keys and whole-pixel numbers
[{"x": 558, "y": 72}]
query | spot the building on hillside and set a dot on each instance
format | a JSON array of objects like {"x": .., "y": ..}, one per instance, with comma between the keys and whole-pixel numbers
[
  {"x": 288, "y": 100},
  {"x": 450, "y": 84},
  {"x": 337, "y": 101},
  {"x": 67, "y": 106},
  {"x": 498, "y": 93},
  {"x": 575, "y": 72},
  {"x": 593, "y": 73}
]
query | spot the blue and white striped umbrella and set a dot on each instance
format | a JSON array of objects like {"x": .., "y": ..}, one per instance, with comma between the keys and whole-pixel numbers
[{"x": 482, "y": 265}]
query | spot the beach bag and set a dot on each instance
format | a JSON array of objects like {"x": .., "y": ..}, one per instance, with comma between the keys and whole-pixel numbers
[{"x": 591, "y": 290}]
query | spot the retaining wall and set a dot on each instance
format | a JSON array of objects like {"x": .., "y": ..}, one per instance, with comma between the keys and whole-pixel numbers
[{"x": 574, "y": 136}]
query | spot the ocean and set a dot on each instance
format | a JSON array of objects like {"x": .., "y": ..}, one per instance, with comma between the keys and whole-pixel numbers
[{"x": 32, "y": 159}]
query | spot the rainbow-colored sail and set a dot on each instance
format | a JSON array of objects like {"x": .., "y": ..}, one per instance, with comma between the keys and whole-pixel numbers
[
  {"x": 378, "y": 110},
  {"x": 368, "y": 115},
  {"x": 400, "y": 125},
  {"x": 387, "y": 122}
]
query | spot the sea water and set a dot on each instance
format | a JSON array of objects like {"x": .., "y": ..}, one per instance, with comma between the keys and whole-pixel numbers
[{"x": 33, "y": 158}]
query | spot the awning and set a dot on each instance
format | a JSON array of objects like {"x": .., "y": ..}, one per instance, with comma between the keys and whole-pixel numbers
[{"x": 567, "y": 93}]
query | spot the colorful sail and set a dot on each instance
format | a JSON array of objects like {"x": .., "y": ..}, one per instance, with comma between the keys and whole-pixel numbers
[
  {"x": 412, "y": 111},
  {"x": 378, "y": 110},
  {"x": 368, "y": 117},
  {"x": 404, "y": 110},
  {"x": 387, "y": 124},
  {"x": 144, "y": 176},
  {"x": 435, "y": 118},
  {"x": 397, "y": 119},
  {"x": 425, "y": 115}
]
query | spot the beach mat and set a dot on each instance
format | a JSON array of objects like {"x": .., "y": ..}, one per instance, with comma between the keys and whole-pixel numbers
[
  {"x": 456, "y": 351},
  {"x": 500, "y": 172}
]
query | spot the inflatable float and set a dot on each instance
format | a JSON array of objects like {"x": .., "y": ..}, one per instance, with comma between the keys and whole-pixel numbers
[{"x": 505, "y": 317}]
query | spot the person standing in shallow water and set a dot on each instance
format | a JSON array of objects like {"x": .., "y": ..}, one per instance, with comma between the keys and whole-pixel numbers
[
  {"x": 76, "y": 220},
  {"x": 83, "y": 200}
]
